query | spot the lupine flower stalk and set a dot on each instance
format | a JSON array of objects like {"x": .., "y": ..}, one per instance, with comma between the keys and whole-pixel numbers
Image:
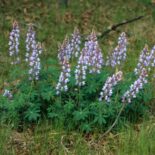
[
  {"x": 94, "y": 54},
  {"x": 34, "y": 62},
  {"x": 70, "y": 47},
  {"x": 75, "y": 43},
  {"x": 107, "y": 89},
  {"x": 144, "y": 61},
  {"x": 64, "y": 50},
  {"x": 119, "y": 53},
  {"x": 152, "y": 57},
  {"x": 14, "y": 43},
  {"x": 96, "y": 61},
  {"x": 30, "y": 41},
  {"x": 62, "y": 85},
  {"x": 90, "y": 59},
  {"x": 81, "y": 68},
  {"x": 135, "y": 87}
]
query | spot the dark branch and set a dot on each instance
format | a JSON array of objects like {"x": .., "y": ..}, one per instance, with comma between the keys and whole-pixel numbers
[{"x": 115, "y": 26}]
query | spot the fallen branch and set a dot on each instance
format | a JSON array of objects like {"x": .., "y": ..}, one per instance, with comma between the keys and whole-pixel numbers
[{"x": 115, "y": 26}]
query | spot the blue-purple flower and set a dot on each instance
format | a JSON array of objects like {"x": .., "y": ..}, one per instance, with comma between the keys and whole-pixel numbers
[
  {"x": 14, "y": 43},
  {"x": 34, "y": 62},
  {"x": 119, "y": 53},
  {"x": 62, "y": 85},
  {"x": 81, "y": 69},
  {"x": 135, "y": 87},
  {"x": 107, "y": 89},
  {"x": 70, "y": 47},
  {"x": 75, "y": 43},
  {"x": 30, "y": 42},
  {"x": 91, "y": 59}
]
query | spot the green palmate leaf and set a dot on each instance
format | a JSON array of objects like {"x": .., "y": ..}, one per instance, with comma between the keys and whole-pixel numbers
[
  {"x": 86, "y": 127},
  {"x": 80, "y": 115},
  {"x": 53, "y": 115},
  {"x": 99, "y": 119},
  {"x": 69, "y": 107},
  {"x": 33, "y": 113}
]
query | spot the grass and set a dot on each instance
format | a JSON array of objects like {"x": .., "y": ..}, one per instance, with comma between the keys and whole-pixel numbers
[
  {"x": 53, "y": 22},
  {"x": 45, "y": 140}
]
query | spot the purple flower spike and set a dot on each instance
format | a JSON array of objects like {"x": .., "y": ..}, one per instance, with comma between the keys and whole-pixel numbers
[
  {"x": 90, "y": 59},
  {"x": 14, "y": 43},
  {"x": 144, "y": 61},
  {"x": 64, "y": 51},
  {"x": 64, "y": 77},
  {"x": 30, "y": 41},
  {"x": 135, "y": 87},
  {"x": 75, "y": 43},
  {"x": 119, "y": 53},
  {"x": 94, "y": 54},
  {"x": 81, "y": 68},
  {"x": 70, "y": 47},
  {"x": 152, "y": 57},
  {"x": 108, "y": 86},
  {"x": 34, "y": 62}
]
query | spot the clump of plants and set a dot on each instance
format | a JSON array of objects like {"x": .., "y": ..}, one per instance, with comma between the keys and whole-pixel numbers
[{"x": 82, "y": 90}]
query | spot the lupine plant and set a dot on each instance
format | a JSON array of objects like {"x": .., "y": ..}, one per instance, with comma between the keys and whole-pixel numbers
[
  {"x": 61, "y": 102},
  {"x": 135, "y": 87},
  {"x": 118, "y": 55},
  {"x": 107, "y": 89},
  {"x": 14, "y": 43}
]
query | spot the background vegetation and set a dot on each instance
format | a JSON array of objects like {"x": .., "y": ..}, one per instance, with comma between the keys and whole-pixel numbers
[{"x": 52, "y": 22}]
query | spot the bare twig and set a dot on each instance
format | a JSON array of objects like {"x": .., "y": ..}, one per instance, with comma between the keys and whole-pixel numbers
[
  {"x": 115, "y": 26},
  {"x": 114, "y": 123}
]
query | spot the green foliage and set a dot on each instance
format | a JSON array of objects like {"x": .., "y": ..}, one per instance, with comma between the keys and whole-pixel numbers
[{"x": 77, "y": 109}]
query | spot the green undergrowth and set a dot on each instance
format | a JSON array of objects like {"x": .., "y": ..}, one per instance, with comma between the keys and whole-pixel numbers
[
  {"x": 136, "y": 139},
  {"x": 77, "y": 109}
]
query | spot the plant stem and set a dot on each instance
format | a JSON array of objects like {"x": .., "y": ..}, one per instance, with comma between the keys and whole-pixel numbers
[{"x": 115, "y": 122}]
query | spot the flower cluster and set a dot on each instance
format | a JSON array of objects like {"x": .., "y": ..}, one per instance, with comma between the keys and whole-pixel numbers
[
  {"x": 119, "y": 53},
  {"x": 30, "y": 42},
  {"x": 34, "y": 62},
  {"x": 14, "y": 43},
  {"x": 135, "y": 87},
  {"x": 70, "y": 47},
  {"x": 91, "y": 58},
  {"x": 75, "y": 43},
  {"x": 94, "y": 54},
  {"x": 7, "y": 94},
  {"x": 81, "y": 68},
  {"x": 108, "y": 86},
  {"x": 144, "y": 60},
  {"x": 64, "y": 51},
  {"x": 64, "y": 77},
  {"x": 152, "y": 57}
]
